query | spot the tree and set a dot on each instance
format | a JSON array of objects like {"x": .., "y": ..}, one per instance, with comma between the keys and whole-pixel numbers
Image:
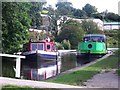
[
  {"x": 77, "y": 13},
  {"x": 64, "y": 8},
  {"x": 112, "y": 17},
  {"x": 53, "y": 20},
  {"x": 34, "y": 13},
  {"x": 15, "y": 22},
  {"x": 66, "y": 44},
  {"x": 98, "y": 15},
  {"x": 90, "y": 27},
  {"x": 89, "y": 9},
  {"x": 71, "y": 31}
]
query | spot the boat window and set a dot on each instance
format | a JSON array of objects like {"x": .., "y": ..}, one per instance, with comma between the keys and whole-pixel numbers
[
  {"x": 53, "y": 47},
  {"x": 101, "y": 39},
  {"x": 94, "y": 39},
  {"x": 86, "y": 39},
  {"x": 48, "y": 46},
  {"x": 40, "y": 46},
  {"x": 34, "y": 46}
]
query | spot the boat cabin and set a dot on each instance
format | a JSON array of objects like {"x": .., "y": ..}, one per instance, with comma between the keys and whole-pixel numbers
[
  {"x": 94, "y": 38},
  {"x": 42, "y": 45}
]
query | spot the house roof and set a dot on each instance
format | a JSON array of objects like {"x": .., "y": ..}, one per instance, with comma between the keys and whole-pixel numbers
[{"x": 111, "y": 23}]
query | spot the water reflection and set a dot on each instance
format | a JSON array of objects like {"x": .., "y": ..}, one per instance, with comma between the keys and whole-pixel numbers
[
  {"x": 68, "y": 61},
  {"x": 32, "y": 68}
]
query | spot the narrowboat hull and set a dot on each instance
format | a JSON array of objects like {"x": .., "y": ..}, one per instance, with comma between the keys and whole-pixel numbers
[
  {"x": 40, "y": 65},
  {"x": 43, "y": 55},
  {"x": 92, "y": 48}
]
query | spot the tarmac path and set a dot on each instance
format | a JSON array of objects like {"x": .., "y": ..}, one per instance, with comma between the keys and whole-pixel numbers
[
  {"x": 104, "y": 80},
  {"x": 31, "y": 83}
]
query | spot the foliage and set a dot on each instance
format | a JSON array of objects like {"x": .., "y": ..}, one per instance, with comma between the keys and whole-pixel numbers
[
  {"x": 111, "y": 33},
  {"x": 112, "y": 38},
  {"x": 82, "y": 75},
  {"x": 89, "y": 9},
  {"x": 66, "y": 44},
  {"x": 34, "y": 13},
  {"x": 90, "y": 27},
  {"x": 112, "y": 42},
  {"x": 59, "y": 46},
  {"x": 112, "y": 17},
  {"x": 118, "y": 38},
  {"x": 64, "y": 8},
  {"x": 53, "y": 22},
  {"x": 77, "y": 13},
  {"x": 98, "y": 16},
  {"x": 118, "y": 72},
  {"x": 71, "y": 31},
  {"x": 17, "y": 18},
  {"x": 15, "y": 22}
]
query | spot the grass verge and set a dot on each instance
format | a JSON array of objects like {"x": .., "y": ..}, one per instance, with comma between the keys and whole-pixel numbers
[
  {"x": 14, "y": 87},
  {"x": 82, "y": 75}
]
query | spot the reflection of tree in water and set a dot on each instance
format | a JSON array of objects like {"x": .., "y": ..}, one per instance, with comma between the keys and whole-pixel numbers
[
  {"x": 68, "y": 61},
  {"x": 8, "y": 65}
]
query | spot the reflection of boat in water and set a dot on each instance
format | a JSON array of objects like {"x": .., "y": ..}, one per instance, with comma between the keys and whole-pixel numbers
[{"x": 41, "y": 59}]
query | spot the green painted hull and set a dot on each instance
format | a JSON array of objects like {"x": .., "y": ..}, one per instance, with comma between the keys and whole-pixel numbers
[{"x": 92, "y": 48}]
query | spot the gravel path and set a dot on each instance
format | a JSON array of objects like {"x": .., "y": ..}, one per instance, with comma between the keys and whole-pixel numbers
[{"x": 104, "y": 80}]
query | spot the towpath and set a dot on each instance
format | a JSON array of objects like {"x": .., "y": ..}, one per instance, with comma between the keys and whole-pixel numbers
[
  {"x": 104, "y": 80},
  {"x": 31, "y": 83}
]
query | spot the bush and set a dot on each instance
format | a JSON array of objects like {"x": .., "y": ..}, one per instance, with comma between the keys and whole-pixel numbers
[
  {"x": 59, "y": 45},
  {"x": 66, "y": 44}
]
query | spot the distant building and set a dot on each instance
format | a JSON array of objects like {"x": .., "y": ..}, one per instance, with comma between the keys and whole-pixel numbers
[
  {"x": 62, "y": 0},
  {"x": 36, "y": 30},
  {"x": 45, "y": 21},
  {"x": 111, "y": 25}
]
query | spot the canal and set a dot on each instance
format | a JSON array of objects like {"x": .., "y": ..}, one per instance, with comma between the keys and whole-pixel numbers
[
  {"x": 67, "y": 61},
  {"x": 70, "y": 60}
]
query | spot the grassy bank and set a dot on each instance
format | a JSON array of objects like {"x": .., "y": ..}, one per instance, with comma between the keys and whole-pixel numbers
[
  {"x": 82, "y": 75},
  {"x": 13, "y": 87}
]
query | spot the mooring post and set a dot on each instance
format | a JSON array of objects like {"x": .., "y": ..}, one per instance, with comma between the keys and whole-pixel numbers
[{"x": 18, "y": 64}]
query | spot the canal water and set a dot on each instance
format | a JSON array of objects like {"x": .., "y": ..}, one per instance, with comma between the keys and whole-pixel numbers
[{"x": 68, "y": 61}]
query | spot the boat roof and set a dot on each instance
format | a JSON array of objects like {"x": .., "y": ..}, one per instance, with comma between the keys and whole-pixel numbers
[{"x": 42, "y": 41}]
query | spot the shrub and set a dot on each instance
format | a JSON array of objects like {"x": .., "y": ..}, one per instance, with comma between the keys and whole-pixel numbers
[
  {"x": 59, "y": 45},
  {"x": 66, "y": 44}
]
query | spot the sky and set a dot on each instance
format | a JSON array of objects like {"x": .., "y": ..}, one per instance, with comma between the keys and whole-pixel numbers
[{"x": 101, "y": 5}]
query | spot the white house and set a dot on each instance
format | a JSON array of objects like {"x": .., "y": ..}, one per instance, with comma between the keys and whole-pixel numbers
[{"x": 111, "y": 25}]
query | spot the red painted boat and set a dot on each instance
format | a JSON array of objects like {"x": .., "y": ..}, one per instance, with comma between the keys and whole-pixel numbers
[{"x": 41, "y": 60}]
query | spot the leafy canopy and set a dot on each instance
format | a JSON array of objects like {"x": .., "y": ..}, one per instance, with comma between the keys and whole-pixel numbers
[
  {"x": 71, "y": 31},
  {"x": 15, "y": 22}
]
